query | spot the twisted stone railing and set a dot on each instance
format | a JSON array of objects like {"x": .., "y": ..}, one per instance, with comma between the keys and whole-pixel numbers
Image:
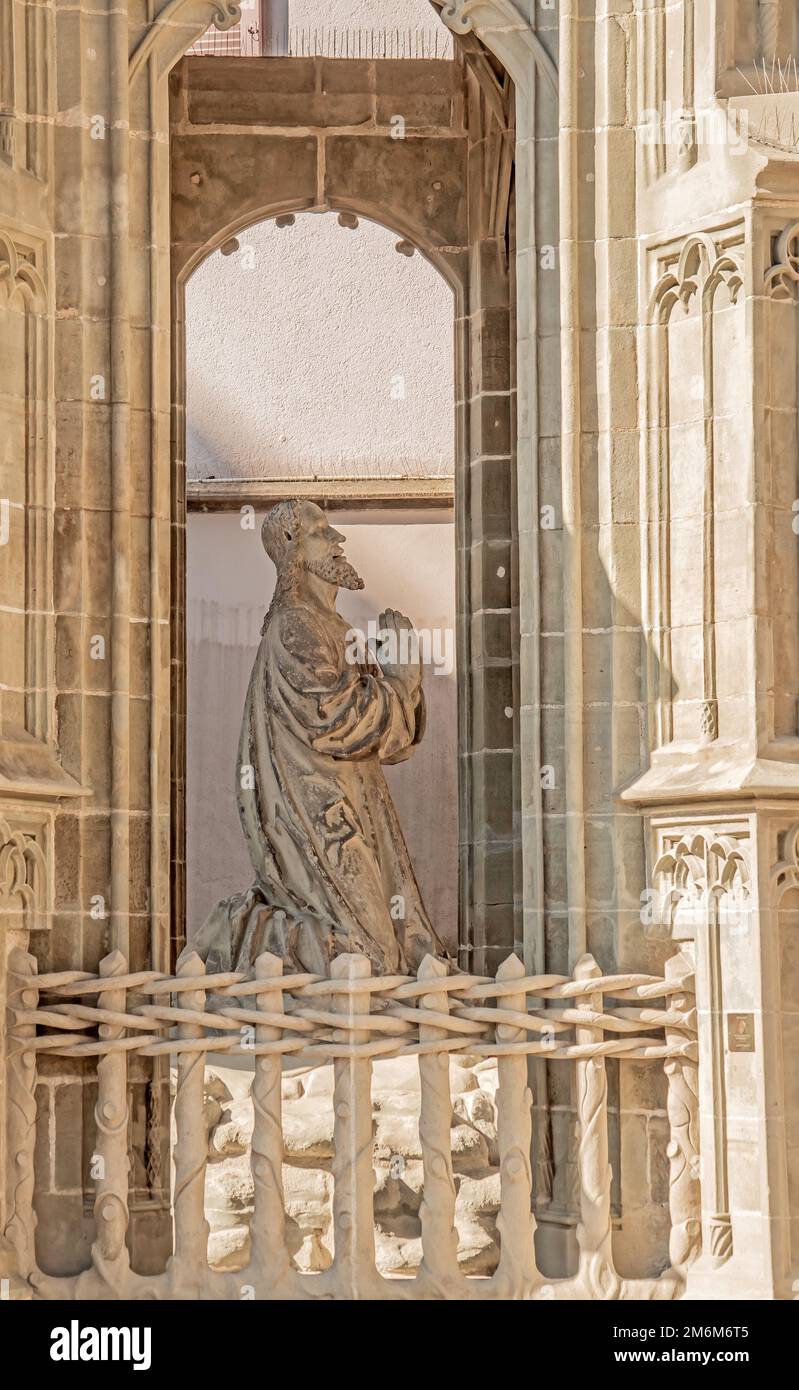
[{"x": 351, "y": 1019}]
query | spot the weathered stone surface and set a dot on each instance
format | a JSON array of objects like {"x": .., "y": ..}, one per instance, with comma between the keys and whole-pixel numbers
[{"x": 398, "y": 1172}]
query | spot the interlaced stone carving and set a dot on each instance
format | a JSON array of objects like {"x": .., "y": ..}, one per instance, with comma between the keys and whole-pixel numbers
[
  {"x": 350, "y": 1017},
  {"x": 782, "y": 278}
]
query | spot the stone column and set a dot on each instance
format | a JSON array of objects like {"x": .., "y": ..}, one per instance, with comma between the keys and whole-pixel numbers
[{"x": 718, "y": 403}]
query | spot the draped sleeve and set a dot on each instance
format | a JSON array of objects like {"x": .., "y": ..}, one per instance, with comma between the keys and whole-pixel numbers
[{"x": 345, "y": 710}]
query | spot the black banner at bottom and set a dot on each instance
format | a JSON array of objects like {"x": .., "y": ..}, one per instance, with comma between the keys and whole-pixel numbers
[{"x": 183, "y": 1338}]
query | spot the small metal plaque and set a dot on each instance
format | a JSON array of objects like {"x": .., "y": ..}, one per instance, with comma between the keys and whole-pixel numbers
[{"x": 741, "y": 1032}]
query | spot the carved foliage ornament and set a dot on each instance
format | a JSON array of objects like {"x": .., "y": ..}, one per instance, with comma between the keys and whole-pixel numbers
[{"x": 458, "y": 14}]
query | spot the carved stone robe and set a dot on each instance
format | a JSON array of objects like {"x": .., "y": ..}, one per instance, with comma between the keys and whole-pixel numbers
[{"x": 322, "y": 832}]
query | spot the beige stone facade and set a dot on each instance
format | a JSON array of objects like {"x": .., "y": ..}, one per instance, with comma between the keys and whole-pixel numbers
[{"x": 612, "y": 191}]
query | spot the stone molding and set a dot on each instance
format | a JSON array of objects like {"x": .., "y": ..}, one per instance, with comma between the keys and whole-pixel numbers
[{"x": 229, "y": 494}]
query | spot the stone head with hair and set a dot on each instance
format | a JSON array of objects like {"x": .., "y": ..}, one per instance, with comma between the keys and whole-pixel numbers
[{"x": 297, "y": 536}]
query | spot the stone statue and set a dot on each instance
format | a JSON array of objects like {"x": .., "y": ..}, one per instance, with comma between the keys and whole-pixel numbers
[{"x": 332, "y": 871}]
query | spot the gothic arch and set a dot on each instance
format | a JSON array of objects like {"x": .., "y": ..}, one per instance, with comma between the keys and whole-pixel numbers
[
  {"x": 404, "y": 227},
  {"x": 401, "y": 226}
]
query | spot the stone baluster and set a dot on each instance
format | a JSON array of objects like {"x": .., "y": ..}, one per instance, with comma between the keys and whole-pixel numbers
[
  {"x": 439, "y": 1236},
  {"x": 516, "y": 1274},
  {"x": 594, "y": 1238},
  {"x": 269, "y": 1259},
  {"x": 189, "y": 1263},
  {"x": 21, "y": 1111},
  {"x": 353, "y": 1269},
  {"x": 683, "y": 1110},
  {"x": 109, "y": 1250}
]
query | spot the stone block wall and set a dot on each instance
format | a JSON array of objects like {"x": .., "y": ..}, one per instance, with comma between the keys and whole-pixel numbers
[{"x": 79, "y": 730}]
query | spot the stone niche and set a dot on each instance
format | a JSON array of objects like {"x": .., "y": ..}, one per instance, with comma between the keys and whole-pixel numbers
[{"x": 253, "y": 138}]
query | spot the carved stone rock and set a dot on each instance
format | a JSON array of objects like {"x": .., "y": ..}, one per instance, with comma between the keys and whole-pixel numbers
[{"x": 396, "y": 1159}]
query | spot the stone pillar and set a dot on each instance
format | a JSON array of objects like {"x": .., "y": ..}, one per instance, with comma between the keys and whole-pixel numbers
[
  {"x": 84, "y": 488},
  {"x": 487, "y": 540},
  {"x": 717, "y": 377}
]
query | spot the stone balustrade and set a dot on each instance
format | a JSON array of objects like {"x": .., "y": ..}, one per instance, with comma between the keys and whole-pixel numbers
[{"x": 353, "y": 1019}]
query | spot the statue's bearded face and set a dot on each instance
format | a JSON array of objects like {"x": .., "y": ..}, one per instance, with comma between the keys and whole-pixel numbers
[{"x": 319, "y": 550}]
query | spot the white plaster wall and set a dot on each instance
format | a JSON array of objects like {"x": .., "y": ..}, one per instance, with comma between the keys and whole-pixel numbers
[
  {"x": 316, "y": 350},
  {"x": 408, "y": 562},
  {"x": 364, "y": 14}
]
